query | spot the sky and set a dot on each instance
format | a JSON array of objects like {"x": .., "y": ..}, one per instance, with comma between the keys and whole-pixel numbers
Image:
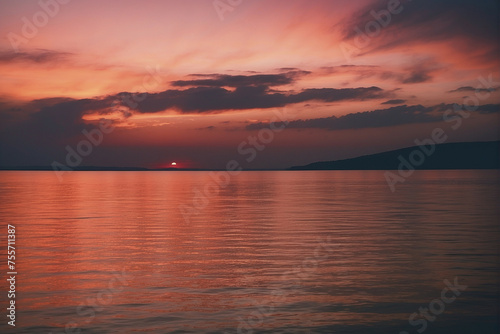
[{"x": 267, "y": 83}]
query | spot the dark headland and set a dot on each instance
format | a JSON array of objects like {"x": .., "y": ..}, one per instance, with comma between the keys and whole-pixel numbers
[{"x": 471, "y": 155}]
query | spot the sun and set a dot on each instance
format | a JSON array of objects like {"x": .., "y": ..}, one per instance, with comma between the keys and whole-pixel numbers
[{"x": 173, "y": 163}]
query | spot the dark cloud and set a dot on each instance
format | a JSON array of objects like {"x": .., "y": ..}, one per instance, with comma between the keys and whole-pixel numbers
[
  {"x": 50, "y": 119},
  {"x": 210, "y": 94},
  {"x": 211, "y": 99},
  {"x": 333, "y": 94},
  {"x": 35, "y": 136},
  {"x": 57, "y": 118},
  {"x": 472, "y": 89},
  {"x": 211, "y": 127},
  {"x": 287, "y": 69},
  {"x": 38, "y": 56},
  {"x": 218, "y": 99},
  {"x": 429, "y": 20},
  {"x": 13, "y": 112},
  {"x": 369, "y": 119},
  {"x": 346, "y": 68},
  {"x": 396, "y": 101},
  {"x": 48, "y": 122},
  {"x": 417, "y": 77},
  {"x": 489, "y": 108},
  {"x": 65, "y": 119},
  {"x": 419, "y": 70},
  {"x": 379, "y": 118},
  {"x": 224, "y": 80}
]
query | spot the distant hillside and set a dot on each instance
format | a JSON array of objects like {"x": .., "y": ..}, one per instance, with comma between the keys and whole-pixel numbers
[{"x": 475, "y": 155}]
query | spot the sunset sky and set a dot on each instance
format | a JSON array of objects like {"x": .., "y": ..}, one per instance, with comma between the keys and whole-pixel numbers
[{"x": 216, "y": 72}]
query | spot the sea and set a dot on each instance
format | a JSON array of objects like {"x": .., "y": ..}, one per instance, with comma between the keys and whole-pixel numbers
[{"x": 256, "y": 252}]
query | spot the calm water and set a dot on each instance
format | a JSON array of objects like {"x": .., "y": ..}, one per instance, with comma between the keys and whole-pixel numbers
[{"x": 273, "y": 252}]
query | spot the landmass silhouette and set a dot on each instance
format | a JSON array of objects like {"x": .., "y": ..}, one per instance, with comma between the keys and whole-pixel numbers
[{"x": 470, "y": 155}]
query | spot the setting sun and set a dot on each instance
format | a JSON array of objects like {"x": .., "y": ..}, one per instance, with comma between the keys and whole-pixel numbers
[{"x": 174, "y": 163}]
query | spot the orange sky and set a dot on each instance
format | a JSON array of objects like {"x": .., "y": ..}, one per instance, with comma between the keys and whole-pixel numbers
[{"x": 208, "y": 79}]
